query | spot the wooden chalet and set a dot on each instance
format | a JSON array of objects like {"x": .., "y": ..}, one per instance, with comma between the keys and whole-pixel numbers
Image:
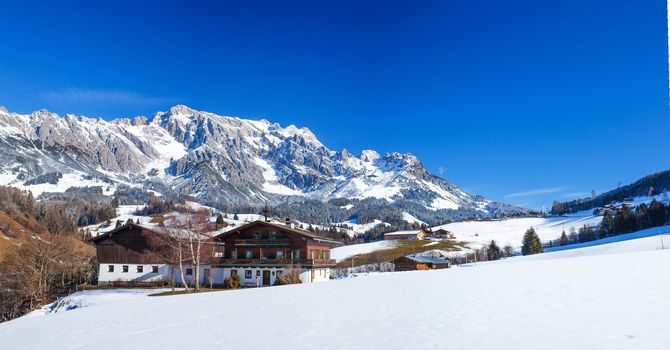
[
  {"x": 442, "y": 234},
  {"x": 260, "y": 251},
  {"x": 416, "y": 262}
]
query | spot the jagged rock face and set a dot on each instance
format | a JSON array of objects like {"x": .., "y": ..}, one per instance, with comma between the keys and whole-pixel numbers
[{"x": 216, "y": 158}]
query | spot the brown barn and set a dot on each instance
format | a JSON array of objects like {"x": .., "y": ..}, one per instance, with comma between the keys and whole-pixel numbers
[
  {"x": 416, "y": 262},
  {"x": 137, "y": 254}
]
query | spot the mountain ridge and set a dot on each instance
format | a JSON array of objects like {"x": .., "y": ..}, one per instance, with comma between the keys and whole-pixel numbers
[{"x": 219, "y": 159}]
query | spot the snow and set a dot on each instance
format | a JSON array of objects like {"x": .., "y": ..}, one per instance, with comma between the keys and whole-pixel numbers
[
  {"x": 610, "y": 301},
  {"x": 271, "y": 184},
  {"x": 411, "y": 218},
  {"x": 347, "y": 251},
  {"x": 644, "y": 240},
  {"x": 68, "y": 180},
  {"x": 511, "y": 231},
  {"x": 90, "y": 298},
  {"x": 362, "y": 228}
]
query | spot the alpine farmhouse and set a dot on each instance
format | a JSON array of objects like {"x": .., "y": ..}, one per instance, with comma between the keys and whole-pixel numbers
[{"x": 258, "y": 252}]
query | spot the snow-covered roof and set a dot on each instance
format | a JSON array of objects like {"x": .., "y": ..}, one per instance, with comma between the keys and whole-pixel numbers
[
  {"x": 428, "y": 259},
  {"x": 403, "y": 233}
]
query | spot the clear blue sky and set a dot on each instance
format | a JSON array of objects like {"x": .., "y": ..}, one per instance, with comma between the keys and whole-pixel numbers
[{"x": 520, "y": 101}]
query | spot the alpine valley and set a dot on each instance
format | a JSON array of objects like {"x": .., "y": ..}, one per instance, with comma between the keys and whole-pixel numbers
[{"x": 226, "y": 161}]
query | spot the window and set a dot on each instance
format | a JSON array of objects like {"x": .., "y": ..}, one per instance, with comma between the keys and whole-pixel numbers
[
  {"x": 265, "y": 253},
  {"x": 189, "y": 272},
  {"x": 323, "y": 255},
  {"x": 273, "y": 235},
  {"x": 124, "y": 268},
  {"x": 313, "y": 254},
  {"x": 297, "y": 254},
  {"x": 110, "y": 268},
  {"x": 247, "y": 273},
  {"x": 218, "y": 254},
  {"x": 140, "y": 268},
  {"x": 248, "y": 254},
  {"x": 256, "y": 235},
  {"x": 233, "y": 273},
  {"x": 258, "y": 273},
  {"x": 154, "y": 269},
  {"x": 280, "y": 254}
]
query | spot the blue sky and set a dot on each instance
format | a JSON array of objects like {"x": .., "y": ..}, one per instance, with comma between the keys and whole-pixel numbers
[{"x": 520, "y": 101}]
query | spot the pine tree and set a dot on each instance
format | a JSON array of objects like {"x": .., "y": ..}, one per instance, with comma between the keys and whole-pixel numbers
[
  {"x": 235, "y": 217},
  {"x": 219, "y": 220},
  {"x": 564, "y": 239},
  {"x": 130, "y": 221},
  {"x": 118, "y": 224},
  {"x": 493, "y": 251},
  {"x": 115, "y": 202},
  {"x": 531, "y": 243}
]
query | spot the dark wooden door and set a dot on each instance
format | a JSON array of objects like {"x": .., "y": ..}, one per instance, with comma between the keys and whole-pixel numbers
[{"x": 266, "y": 278}]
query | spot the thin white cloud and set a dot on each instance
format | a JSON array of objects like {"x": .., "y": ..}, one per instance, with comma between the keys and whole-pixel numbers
[
  {"x": 110, "y": 96},
  {"x": 440, "y": 170},
  {"x": 535, "y": 192}
]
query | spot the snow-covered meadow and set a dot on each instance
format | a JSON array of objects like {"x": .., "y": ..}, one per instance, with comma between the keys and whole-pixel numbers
[
  {"x": 511, "y": 231},
  {"x": 585, "y": 298}
]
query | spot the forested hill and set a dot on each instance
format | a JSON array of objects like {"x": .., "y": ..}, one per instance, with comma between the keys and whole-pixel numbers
[{"x": 647, "y": 186}]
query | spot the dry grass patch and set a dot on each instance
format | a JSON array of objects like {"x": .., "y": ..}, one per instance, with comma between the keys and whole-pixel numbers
[{"x": 402, "y": 248}]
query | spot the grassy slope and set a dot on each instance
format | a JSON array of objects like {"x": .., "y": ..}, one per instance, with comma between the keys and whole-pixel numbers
[{"x": 402, "y": 248}]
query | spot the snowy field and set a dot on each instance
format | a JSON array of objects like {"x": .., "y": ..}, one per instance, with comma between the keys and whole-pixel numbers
[
  {"x": 344, "y": 252},
  {"x": 511, "y": 231},
  {"x": 89, "y": 298},
  {"x": 563, "y": 300}
]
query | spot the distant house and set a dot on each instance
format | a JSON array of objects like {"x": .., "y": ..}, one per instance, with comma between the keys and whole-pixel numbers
[
  {"x": 416, "y": 262},
  {"x": 258, "y": 252},
  {"x": 442, "y": 234},
  {"x": 405, "y": 235}
]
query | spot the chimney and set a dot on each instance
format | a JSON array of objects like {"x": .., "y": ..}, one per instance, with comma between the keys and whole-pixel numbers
[{"x": 287, "y": 221}]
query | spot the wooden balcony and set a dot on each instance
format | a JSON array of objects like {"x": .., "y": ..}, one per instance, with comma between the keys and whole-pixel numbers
[
  {"x": 262, "y": 242},
  {"x": 272, "y": 262}
]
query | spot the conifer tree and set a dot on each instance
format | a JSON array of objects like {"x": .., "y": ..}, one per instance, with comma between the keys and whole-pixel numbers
[
  {"x": 531, "y": 243},
  {"x": 130, "y": 221},
  {"x": 564, "y": 239},
  {"x": 219, "y": 220},
  {"x": 493, "y": 251}
]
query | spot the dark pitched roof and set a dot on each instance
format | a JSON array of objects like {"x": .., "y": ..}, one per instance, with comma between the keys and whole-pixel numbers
[
  {"x": 120, "y": 228},
  {"x": 282, "y": 227}
]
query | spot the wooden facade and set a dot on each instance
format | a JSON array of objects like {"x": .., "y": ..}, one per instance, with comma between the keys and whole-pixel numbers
[
  {"x": 265, "y": 244},
  {"x": 132, "y": 244},
  {"x": 415, "y": 262},
  {"x": 135, "y": 244}
]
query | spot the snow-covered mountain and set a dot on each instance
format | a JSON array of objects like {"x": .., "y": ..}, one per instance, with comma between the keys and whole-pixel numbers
[{"x": 213, "y": 158}]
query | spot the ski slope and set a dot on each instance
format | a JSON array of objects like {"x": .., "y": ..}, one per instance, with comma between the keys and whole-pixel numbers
[
  {"x": 511, "y": 231},
  {"x": 561, "y": 300}
]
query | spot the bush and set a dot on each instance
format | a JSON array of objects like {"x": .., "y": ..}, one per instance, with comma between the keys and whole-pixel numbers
[
  {"x": 232, "y": 282},
  {"x": 290, "y": 276}
]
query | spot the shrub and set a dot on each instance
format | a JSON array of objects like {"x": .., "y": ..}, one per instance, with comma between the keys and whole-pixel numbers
[{"x": 232, "y": 282}]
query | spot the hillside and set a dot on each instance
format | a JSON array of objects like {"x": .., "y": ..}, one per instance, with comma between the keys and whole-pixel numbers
[
  {"x": 649, "y": 185},
  {"x": 221, "y": 160},
  {"x": 448, "y": 309}
]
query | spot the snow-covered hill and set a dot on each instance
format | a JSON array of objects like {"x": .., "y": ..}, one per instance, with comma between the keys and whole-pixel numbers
[
  {"x": 215, "y": 159},
  {"x": 511, "y": 231},
  {"x": 549, "y": 301}
]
